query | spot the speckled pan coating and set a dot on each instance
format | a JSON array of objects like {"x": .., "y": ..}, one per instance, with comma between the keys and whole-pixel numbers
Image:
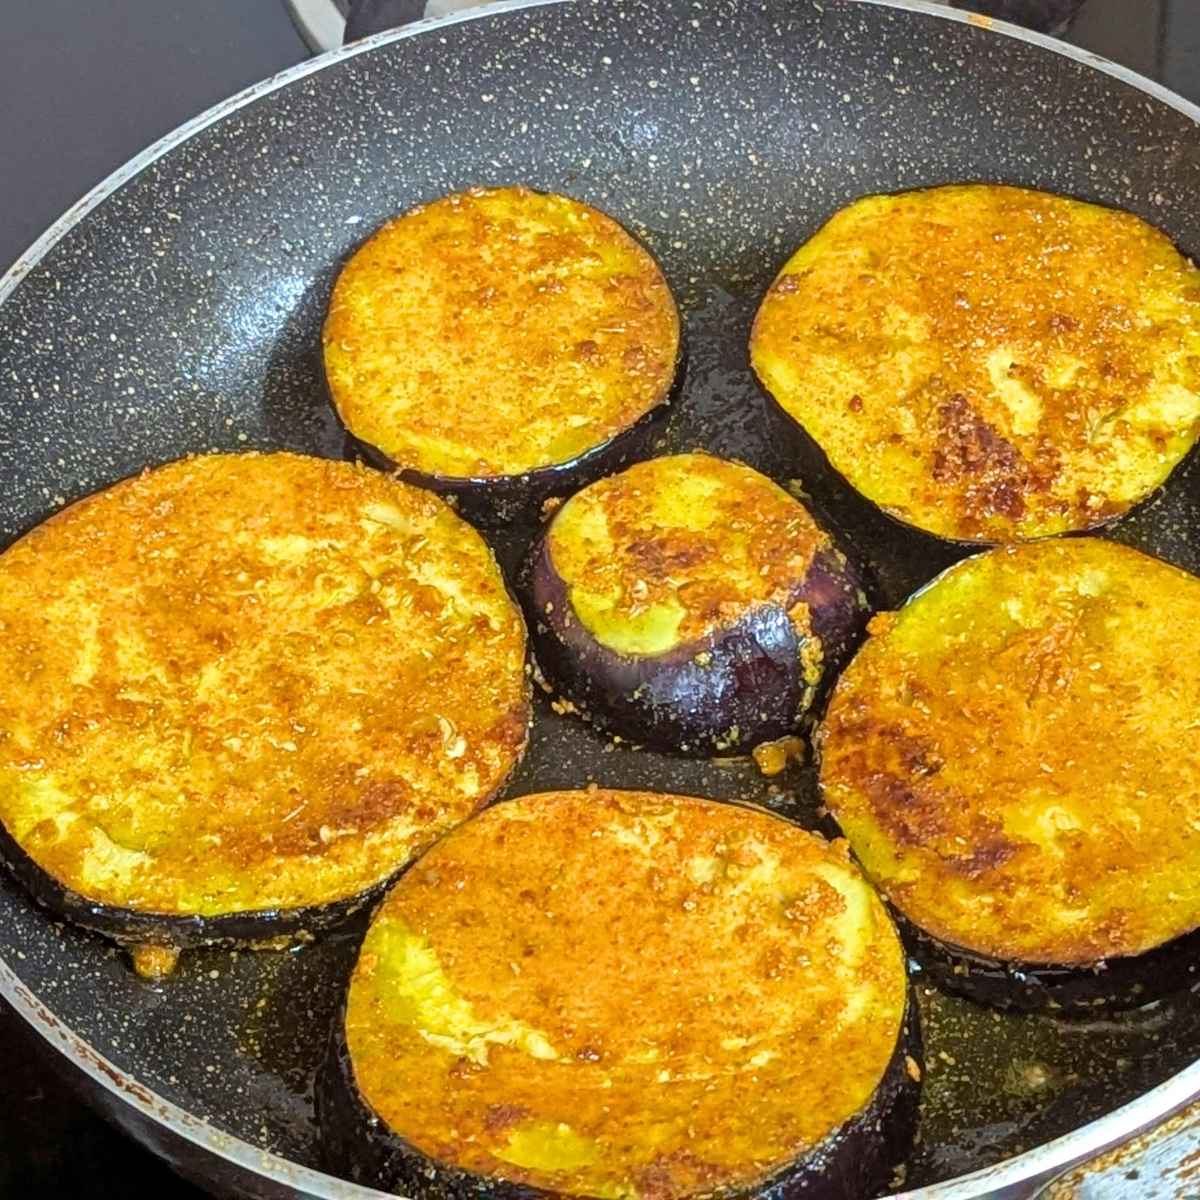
[{"x": 182, "y": 314}]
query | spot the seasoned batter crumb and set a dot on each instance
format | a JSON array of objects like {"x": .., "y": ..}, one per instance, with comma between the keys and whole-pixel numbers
[
  {"x": 250, "y": 682},
  {"x": 626, "y": 910},
  {"x": 494, "y": 332},
  {"x": 989, "y": 363},
  {"x": 1015, "y": 755}
]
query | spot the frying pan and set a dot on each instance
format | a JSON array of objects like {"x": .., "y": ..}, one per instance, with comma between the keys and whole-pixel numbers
[{"x": 176, "y": 309}]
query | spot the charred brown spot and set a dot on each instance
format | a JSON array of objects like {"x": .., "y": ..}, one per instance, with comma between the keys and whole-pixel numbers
[
  {"x": 344, "y": 816},
  {"x": 973, "y": 454},
  {"x": 988, "y": 855},
  {"x": 373, "y": 805},
  {"x": 1062, "y": 323},
  {"x": 912, "y": 814},
  {"x": 677, "y": 1174},
  {"x": 855, "y": 403},
  {"x": 636, "y": 359},
  {"x": 660, "y": 555},
  {"x": 511, "y": 730},
  {"x": 968, "y": 444},
  {"x": 922, "y": 761},
  {"x": 499, "y": 1117},
  {"x": 656, "y": 1182},
  {"x": 1003, "y": 496}
]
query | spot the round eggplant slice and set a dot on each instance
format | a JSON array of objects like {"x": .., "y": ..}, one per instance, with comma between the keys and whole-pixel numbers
[
  {"x": 1015, "y": 759},
  {"x": 501, "y": 345},
  {"x": 988, "y": 363},
  {"x": 239, "y": 692},
  {"x": 691, "y": 604},
  {"x": 614, "y": 994}
]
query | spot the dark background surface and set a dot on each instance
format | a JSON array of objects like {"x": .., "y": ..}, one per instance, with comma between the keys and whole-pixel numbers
[{"x": 83, "y": 87}]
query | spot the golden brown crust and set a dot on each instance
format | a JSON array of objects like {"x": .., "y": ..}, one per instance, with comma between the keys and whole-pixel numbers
[
  {"x": 1015, "y": 755},
  {"x": 615, "y": 994},
  {"x": 989, "y": 363},
  {"x": 242, "y": 682},
  {"x": 495, "y": 332},
  {"x": 673, "y": 548}
]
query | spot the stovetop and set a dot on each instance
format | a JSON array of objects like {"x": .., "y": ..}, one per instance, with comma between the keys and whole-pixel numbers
[{"x": 85, "y": 86}]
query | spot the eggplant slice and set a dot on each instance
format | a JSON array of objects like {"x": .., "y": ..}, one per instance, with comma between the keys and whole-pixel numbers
[
  {"x": 613, "y": 994},
  {"x": 987, "y": 363},
  {"x": 501, "y": 345},
  {"x": 240, "y": 692},
  {"x": 691, "y": 604},
  {"x": 1015, "y": 759}
]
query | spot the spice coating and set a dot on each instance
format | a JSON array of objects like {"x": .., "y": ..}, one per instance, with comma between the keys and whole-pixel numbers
[
  {"x": 251, "y": 682},
  {"x": 495, "y": 332},
  {"x": 676, "y": 547},
  {"x": 625, "y": 994},
  {"x": 1014, "y": 754},
  {"x": 989, "y": 363}
]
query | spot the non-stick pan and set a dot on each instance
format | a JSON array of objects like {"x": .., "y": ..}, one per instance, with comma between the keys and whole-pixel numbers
[{"x": 176, "y": 309}]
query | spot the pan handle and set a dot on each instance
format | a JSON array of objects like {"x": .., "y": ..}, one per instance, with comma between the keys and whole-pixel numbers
[
  {"x": 327, "y": 24},
  {"x": 372, "y": 16},
  {"x": 1046, "y": 16},
  {"x": 320, "y": 23}
]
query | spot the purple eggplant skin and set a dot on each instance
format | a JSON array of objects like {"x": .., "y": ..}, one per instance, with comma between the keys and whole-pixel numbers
[
  {"x": 1108, "y": 986},
  {"x": 496, "y": 501},
  {"x": 131, "y": 928},
  {"x": 745, "y": 677},
  {"x": 503, "y": 499},
  {"x": 854, "y": 1162}
]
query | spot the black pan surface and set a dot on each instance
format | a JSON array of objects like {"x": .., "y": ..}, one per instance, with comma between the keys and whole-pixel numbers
[{"x": 182, "y": 313}]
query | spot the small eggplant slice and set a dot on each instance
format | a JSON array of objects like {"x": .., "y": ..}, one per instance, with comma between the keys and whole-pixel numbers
[
  {"x": 239, "y": 692},
  {"x": 989, "y": 364},
  {"x": 614, "y": 994},
  {"x": 1014, "y": 757},
  {"x": 501, "y": 345},
  {"x": 691, "y": 604}
]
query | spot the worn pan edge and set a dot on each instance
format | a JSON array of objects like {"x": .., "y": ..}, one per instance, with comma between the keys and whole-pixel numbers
[
  {"x": 128, "y": 170},
  {"x": 1036, "y": 1165}
]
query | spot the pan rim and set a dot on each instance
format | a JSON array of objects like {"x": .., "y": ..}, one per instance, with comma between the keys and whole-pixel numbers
[{"x": 1033, "y": 1167}]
